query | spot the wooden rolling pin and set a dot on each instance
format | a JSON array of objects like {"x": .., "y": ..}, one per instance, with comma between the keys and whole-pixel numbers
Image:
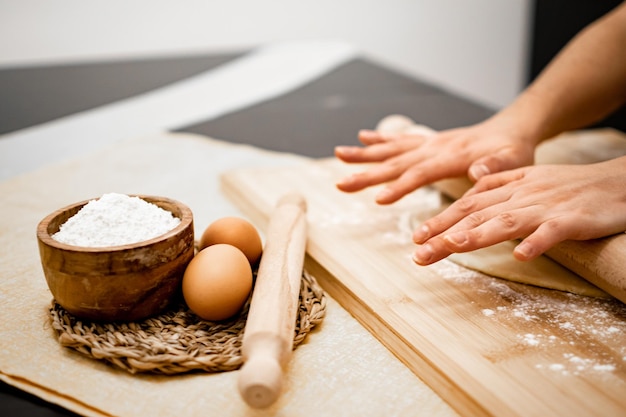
[{"x": 268, "y": 336}]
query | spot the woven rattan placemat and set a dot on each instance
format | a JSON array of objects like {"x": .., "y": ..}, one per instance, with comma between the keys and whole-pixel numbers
[{"x": 176, "y": 341}]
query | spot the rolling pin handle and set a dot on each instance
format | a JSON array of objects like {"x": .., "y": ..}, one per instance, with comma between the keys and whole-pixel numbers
[{"x": 260, "y": 382}]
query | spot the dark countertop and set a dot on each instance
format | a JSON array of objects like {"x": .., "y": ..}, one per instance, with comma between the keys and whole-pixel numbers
[{"x": 310, "y": 121}]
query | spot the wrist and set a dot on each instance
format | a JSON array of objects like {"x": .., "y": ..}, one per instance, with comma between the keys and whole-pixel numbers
[{"x": 530, "y": 118}]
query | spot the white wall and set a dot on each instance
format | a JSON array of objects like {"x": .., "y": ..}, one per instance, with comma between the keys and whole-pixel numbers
[{"x": 474, "y": 48}]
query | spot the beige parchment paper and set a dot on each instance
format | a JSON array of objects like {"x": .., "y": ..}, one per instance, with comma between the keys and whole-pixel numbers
[{"x": 340, "y": 370}]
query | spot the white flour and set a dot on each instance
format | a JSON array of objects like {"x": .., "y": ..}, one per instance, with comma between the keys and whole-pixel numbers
[
  {"x": 589, "y": 333},
  {"x": 115, "y": 219}
]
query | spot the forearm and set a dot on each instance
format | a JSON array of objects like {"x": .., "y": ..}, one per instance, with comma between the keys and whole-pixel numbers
[{"x": 582, "y": 85}]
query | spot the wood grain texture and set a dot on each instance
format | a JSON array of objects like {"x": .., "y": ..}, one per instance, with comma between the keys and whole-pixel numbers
[
  {"x": 268, "y": 337},
  {"x": 126, "y": 282},
  {"x": 487, "y": 346}
]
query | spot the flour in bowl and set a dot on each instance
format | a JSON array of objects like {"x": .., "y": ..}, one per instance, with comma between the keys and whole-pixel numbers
[{"x": 115, "y": 219}]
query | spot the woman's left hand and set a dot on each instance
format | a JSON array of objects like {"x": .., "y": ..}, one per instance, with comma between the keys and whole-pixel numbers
[{"x": 543, "y": 204}]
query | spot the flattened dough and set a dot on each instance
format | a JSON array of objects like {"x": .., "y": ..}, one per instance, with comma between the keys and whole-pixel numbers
[{"x": 498, "y": 260}]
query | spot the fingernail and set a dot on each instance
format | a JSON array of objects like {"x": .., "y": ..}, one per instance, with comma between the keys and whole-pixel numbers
[
  {"x": 457, "y": 239},
  {"x": 424, "y": 254},
  {"x": 345, "y": 180},
  {"x": 345, "y": 150},
  {"x": 383, "y": 195},
  {"x": 524, "y": 250},
  {"x": 478, "y": 171},
  {"x": 421, "y": 234},
  {"x": 368, "y": 133}
]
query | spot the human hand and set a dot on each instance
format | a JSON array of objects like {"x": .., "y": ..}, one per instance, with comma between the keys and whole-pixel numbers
[
  {"x": 407, "y": 161},
  {"x": 544, "y": 204}
]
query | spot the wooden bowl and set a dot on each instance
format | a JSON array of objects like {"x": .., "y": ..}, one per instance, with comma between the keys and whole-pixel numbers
[{"x": 117, "y": 283}]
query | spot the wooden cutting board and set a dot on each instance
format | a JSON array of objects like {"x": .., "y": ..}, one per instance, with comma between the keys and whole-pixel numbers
[{"x": 487, "y": 346}]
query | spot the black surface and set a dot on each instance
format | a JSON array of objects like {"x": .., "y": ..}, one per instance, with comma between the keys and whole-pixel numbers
[
  {"x": 555, "y": 22},
  {"x": 34, "y": 95},
  {"x": 330, "y": 111},
  {"x": 17, "y": 403},
  {"x": 309, "y": 121}
]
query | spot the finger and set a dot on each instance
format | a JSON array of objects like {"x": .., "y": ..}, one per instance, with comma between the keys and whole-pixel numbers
[
  {"x": 372, "y": 137},
  {"x": 376, "y": 152},
  {"x": 350, "y": 154},
  {"x": 414, "y": 172},
  {"x": 372, "y": 153},
  {"x": 409, "y": 165},
  {"x": 417, "y": 169},
  {"x": 504, "y": 159},
  {"x": 467, "y": 212},
  {"x": 352, "y": 183},
  {"x": 496, "y": 180},
  {"x": 430, "y": 253},
  {"x": 490, "y": 164},
  {"x": 543, "y": 238},
  {"x": 369, "y": 153},
  {"x": 376, "y": 175},
  {"x": 502, "y": 227}
]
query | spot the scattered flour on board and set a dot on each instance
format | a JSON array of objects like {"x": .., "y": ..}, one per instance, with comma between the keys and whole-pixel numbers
[
  {"x": 115, "y": 219},
  {"x": 565, "y": 322},
  {"x": 544, "y": 321}
]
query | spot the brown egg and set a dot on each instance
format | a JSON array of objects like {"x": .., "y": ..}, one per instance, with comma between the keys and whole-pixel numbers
[
  {"x": 237, "y": 232},
  {"x": 217, "y": 282}
]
